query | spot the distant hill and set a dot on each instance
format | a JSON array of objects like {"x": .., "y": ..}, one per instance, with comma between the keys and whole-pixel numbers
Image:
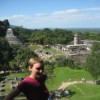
[
  {"x": 14, "y": 26},
  {"x": 96, "y": 30}
]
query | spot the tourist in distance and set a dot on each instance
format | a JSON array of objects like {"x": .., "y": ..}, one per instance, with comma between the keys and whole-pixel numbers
[{"x": 33, "y": 86}]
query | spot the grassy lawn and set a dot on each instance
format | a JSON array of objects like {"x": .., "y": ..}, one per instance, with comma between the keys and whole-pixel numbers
[
  {"x": 20, "y": 75},
  {"x": 64, "y": 74},
  {"x": 34, "y": 47},
  {"x": 84, "y": 92}
]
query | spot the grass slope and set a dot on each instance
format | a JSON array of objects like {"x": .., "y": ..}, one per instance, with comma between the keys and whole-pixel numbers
[
  {"x": 64, "y": 74},
  {"x": 82, "y": 91}
]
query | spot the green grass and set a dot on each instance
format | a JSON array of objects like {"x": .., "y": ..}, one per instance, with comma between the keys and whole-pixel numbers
[
  {"x": 84, "y": 92},
  {"x": 64, "y": 74},
  {"x": 20, "y": 75},
  {"x": 34, "y": 47}
]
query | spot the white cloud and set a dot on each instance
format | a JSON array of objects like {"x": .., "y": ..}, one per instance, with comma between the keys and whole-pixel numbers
[
  {"x": 72, "y": 11},
  {"x": 66, "y": 12},
  {"x": 91, "y": 9},
  {"x": 40, "y": 14},
  {"x": 60, "y": 19}
]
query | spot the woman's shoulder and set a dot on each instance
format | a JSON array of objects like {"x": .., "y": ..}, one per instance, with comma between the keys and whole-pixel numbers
[{"x": 29, "y": 79}]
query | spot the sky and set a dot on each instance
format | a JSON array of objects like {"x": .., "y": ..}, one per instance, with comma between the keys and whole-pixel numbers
[{"x": 36, "y": 14}]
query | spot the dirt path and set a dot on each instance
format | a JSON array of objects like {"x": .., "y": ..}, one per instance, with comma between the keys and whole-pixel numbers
[{"x": 66, "y": 84}]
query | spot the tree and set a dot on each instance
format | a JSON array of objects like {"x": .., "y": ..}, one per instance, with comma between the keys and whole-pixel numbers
[
  {"x": 66, "y": 62},
  {"x": 3, "y": 27},
  {"x": 49, "y": 67},
  {"x": 5, "y": 55},
  {"x": 93, "y": 61},
  {"x": 21, "y": 55}
]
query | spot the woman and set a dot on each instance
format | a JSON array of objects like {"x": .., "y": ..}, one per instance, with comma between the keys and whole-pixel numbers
[{"x": 33, "y": 86}]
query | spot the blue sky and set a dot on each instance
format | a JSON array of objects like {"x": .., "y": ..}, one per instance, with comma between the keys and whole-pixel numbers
[{"x": 51, "y": 13}]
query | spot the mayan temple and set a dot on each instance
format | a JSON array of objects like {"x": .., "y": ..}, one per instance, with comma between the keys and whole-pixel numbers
[{"x": 11, "y": 38}]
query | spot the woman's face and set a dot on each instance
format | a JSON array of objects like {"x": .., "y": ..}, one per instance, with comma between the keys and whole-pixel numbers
[{"x": 36, "y": 69}]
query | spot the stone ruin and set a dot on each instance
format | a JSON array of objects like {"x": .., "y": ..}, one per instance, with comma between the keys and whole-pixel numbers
[
  {"x": 10, "y": 84},
  {"x": 11, "y": 38},
  {"x": 57, "y": 94}
]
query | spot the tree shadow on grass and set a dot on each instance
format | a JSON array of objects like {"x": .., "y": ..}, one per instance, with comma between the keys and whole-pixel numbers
[{"x": 70, "y": 94}]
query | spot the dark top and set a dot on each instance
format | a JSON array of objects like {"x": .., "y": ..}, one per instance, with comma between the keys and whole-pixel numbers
[{"x": 33, "y": 89}]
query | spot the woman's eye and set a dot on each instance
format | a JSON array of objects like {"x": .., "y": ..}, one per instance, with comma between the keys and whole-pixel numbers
[{"x": 39, "y": 68}]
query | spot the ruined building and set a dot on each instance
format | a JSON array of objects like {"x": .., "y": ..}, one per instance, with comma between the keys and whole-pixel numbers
[{"x": 11, "y": 38}]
